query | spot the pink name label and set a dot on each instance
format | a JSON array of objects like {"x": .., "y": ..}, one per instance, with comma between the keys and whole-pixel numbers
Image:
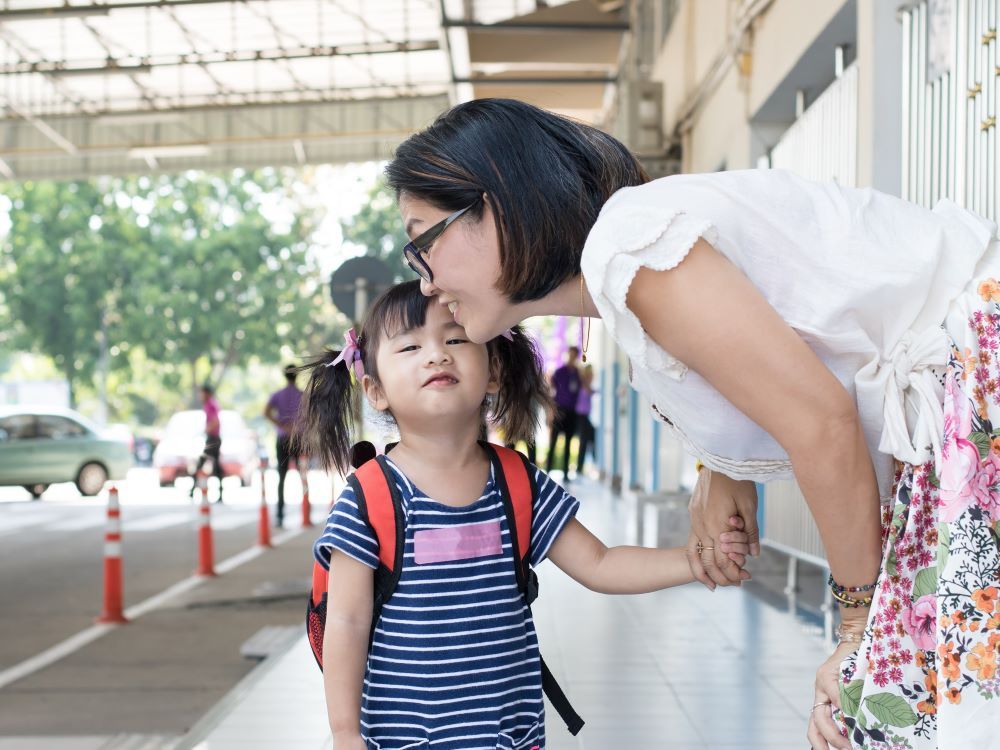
[{"x": 457, "y": 543}]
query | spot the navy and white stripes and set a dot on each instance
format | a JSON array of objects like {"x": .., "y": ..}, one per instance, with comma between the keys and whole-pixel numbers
[{"x": 454, "y": 662}]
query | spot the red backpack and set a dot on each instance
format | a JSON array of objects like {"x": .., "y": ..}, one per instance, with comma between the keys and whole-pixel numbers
[{"x": 380, "y": 505}]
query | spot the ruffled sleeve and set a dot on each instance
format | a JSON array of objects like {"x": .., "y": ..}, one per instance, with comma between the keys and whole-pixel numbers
[{"x": 623, "y": 240}]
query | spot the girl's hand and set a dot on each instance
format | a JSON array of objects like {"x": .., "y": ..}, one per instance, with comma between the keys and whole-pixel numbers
[
  {"x": 735, "y": 543},
  {"x": 823, "y": 732},
  {"x": 349, "y": 741},
  {"x": 714, "y": 503}
]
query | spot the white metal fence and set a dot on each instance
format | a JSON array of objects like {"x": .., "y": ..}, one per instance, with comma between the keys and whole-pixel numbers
[
  {"x": 788, "y": 524},
  {"x": 951, "y": 83},
  {"x": 822, "y": 144}
]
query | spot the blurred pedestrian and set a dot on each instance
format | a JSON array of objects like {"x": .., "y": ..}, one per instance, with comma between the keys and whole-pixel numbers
[
  {"x": 213, "y": 438},
  {"x": 565, "y": 389},
  {"x": 584, "y": 427},
  {"x": 281, "y": 410}
]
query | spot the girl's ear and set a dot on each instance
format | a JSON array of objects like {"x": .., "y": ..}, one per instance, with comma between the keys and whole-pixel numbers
[{"x": 374, "y": 394}]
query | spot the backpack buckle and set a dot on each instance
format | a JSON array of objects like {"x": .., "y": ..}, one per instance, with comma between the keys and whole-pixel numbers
[{"x": 531, "y": 586}]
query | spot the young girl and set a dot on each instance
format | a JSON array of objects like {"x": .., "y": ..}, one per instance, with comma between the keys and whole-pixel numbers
[{"x": 453, "y": 662}]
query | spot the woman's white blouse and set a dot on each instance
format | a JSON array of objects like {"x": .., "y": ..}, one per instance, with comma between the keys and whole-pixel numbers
[{"x": 864, "y": 278}]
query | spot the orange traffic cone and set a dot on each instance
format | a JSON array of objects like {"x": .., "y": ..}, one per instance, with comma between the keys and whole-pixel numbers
[
  {"x": 264, "y": 526},
  {"x": 206, "y": 547},
  {"x": 113, "y": 563}
]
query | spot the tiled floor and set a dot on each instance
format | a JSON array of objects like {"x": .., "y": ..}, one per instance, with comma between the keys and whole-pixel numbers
[{"x": 681, "y": 669}]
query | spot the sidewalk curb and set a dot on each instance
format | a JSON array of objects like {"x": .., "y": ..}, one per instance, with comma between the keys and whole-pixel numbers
[{"x": 201, "y": 729}]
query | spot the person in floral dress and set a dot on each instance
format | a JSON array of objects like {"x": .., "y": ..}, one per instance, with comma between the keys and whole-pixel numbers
[{"x": 927, "y": 666}]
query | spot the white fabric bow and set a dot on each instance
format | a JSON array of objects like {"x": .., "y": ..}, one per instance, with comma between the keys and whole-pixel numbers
[{"x": 912, "y": 385}]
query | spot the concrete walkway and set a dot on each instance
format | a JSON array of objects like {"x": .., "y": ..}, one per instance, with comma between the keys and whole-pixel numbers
[{"x": 684, "y": 668}]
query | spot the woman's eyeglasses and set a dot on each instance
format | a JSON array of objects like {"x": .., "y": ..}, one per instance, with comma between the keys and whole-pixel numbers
[{"x": 413, "y": 251}]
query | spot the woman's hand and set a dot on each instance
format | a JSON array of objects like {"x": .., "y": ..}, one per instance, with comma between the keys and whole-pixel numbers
[
  {"x": 716, "y": 501},
  {"x": 823, "y": 731}
]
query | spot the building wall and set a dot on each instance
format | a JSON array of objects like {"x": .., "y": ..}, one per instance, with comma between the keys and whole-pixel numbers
[
  {"x": 698, "y": 58},
  {"x": 780, "y": 37}
]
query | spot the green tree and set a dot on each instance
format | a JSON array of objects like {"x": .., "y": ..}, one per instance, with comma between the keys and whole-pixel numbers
[
  {"x": 186, "y": 269},
  {"x": 223, "y": 285},
  {"x": 66, "y": 272},
  {"x": 378, "y": 228}
]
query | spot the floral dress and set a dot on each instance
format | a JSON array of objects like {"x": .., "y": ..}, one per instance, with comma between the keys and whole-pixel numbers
[{"x": 926, "y": 674}]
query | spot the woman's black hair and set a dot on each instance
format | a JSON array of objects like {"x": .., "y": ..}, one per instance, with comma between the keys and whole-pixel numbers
[
  {"x": 546, "y": 178},
  {"x": 327, "y": 421}
]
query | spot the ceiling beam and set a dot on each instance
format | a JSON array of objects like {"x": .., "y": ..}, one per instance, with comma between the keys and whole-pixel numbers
[
  {"x": 45, "y": 129},
  {"x": 263, "y": 99},
  {"x": 541, "y": 81},
  {"x": 139, "y": 64},
  {"x": 450, "y": 23},
  {"x": 95, "y": 9}
]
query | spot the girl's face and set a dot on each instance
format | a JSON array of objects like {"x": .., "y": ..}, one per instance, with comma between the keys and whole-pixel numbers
[
  {"x": 431, "y": 373},
  {"x": 465, "y": 261}
]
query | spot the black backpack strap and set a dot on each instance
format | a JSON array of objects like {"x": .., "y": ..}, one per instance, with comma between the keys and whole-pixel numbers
[
  {"x": 513, "y": 475},
  {"x": 381, "y": 507},
  {"x": 559, "y": 700}
]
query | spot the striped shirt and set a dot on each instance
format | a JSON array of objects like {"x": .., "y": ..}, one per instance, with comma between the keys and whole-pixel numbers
[{"x": 454, "y": 661}]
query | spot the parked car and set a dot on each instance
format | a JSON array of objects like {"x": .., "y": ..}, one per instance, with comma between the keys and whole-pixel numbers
[
  {"x": 183, "y": 441},
  {"x": 40, "y": 446}
]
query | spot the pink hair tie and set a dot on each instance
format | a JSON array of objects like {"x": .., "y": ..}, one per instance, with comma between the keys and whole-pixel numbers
[{"x": 351, "y": 355}]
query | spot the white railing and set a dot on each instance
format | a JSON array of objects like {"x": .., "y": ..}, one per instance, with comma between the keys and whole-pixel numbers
[
  {"x": 951, "y": 83},
  {"x": 822, "y": 144},
  {"x": 788, "y": 524}
]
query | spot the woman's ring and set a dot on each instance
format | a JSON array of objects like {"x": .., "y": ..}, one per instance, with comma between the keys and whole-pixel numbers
[{"x": 699, "y": 548}]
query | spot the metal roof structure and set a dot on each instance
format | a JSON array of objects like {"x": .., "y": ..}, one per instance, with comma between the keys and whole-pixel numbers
[{"x": 126, "y": 86}]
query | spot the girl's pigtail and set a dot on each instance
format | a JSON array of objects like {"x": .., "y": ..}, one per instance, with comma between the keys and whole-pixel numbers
[
  {"x": 524, "y": 389},
  {"x": 326, "y": 417}
]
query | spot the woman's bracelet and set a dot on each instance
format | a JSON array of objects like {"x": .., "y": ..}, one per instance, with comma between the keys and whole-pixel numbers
[
  {"x": 838, "y": 589},
  {"x": 848, "y": 636},
  {"x": 850, "y": 602},
  {"x": 840, "y": 593}
]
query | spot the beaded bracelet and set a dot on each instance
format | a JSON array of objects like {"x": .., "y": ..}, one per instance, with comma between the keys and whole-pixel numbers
[
  {"x": 851, "y": 602},
  {"x": 838, "y": 589}
]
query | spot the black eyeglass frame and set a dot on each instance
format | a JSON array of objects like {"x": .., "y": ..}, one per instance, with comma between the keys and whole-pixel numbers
[{"x": 413, "y": 251}]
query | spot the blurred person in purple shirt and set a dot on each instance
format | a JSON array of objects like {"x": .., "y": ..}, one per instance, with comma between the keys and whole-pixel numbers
[
  {"x": 281, "y": 410},
  {"x": 213, "y": 438},
  {"x": 565, "y": 388},
  {"x": 584, "y": 427}
]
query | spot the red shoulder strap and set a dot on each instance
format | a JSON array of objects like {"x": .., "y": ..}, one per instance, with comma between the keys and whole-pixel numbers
[
  {"x": 320, "y": 582},
  {"x": 519, "y": 485},
  {"x": 379, "y": 510}
]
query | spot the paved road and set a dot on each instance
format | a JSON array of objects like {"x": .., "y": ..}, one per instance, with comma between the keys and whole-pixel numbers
[{"x": 51, "y": 576}]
